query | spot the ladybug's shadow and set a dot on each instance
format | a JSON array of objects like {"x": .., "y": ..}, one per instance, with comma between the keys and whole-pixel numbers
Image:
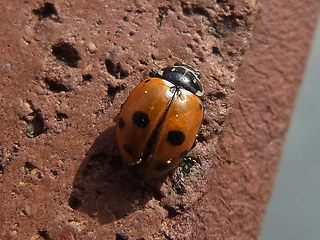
[{"x": 102, "y": 188}]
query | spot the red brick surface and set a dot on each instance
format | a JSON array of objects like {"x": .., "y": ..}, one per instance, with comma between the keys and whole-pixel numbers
[{"x": 66, "y": 67}]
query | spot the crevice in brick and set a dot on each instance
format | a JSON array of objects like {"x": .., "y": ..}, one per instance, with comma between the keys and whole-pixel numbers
[
  {"x": 115, "y": 69},
  {"x": 48, "y": 10},
  {"x": 67, "y": 53},
  {"x": 55, "y": 86}
]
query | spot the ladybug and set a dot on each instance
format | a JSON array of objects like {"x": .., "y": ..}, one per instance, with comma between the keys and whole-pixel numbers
[{"x": 159, "y": 122}]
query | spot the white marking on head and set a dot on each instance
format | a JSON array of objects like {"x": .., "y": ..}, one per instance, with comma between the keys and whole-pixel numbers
[{"x": 199, "y": 93}]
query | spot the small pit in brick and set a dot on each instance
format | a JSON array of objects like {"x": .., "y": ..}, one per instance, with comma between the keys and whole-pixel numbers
[
  {"x": 87, "y": 78},
  {"x": 54, "y": 172},
  {"x": 162, "y": 11},
  {"x": 113, "y": 90},
  {"x": 189, "y": 9},
  {"x": 228, "y": 24},
  {"x": 35, "y": 126},
  {"x": 55, "y": 86},
  {"x": 1, "y": 168},
  {"x": 216, "y": 51},
  {"x": 61, "y": 116},
  {"x": 216, "y": 95},
  {"x": 115, "y": 69},
  {"x": 44, "y": 234},
  {"x": 122, "y": 236},
  {"x": 48, "y": 10},
  {"x": 172, "y": 211},
  {"x": 75, "y": 202},
  {"x": 29, "y": 166},
  {"x": 67, "y": 53}
]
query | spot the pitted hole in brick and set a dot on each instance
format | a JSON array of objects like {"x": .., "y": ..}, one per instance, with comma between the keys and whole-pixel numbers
[
  {"x": 54, "y": 172},
  {"x": 228, "y": 23},
  {"x": 115, "y": 69},
  {"x": 172, "y": 211},
  {"x": 231, "y": 54},
  {"x": 186, "y": 9},
  {"x": 61, "y": 116},
  {"x": 216, "y": 96},
  {"x": 162, "y": 11},
  {"x": 55, "y": 85},
  {"x": 205, "y": 121},
  {"x": 229, "y": 162},
  {"x": 87, "y": 78},
  {"x": 75, "y": 202},
  {"x": 201, "y": 137},
  {"x": 67, "y": 53},
  {"x": 143, "y": 62},
  {"x": 113, "y": 90},
  {"x": 29, "y": 166},
  {"x": 216, "y": 51},
  {"x": 190, "y": 9},
  {"x": 44, "y": 234},
  {"x": 122, "y": 236},
  {"x": 221, "y": 1},
  {"x": 1, "y": 169},
  {"x": 48, "y": 10},
  {"x": 35, "y": 127}
]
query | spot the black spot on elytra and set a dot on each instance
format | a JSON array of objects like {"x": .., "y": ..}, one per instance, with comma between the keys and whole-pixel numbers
[
  {"x": 140, "y": 119},
  {"x": 176, "y": 138},
  {"x": 184, "y": 154},
  {"x": 67, "y": 53},
  {"x": 148, "y": 80},
  {"x": 201, "y": 107},
  {"x": 121, "y": 123},
  {"x": 115, "y": 69},
  {"x": 46, "y": 11},
  {"x": 128, "y": 149}
]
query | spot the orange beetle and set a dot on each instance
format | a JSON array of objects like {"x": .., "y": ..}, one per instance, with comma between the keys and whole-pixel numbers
[{"x": 159, "y": 121}]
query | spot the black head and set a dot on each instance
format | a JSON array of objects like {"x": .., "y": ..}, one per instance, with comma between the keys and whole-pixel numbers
[{"x": 184, "y": 76}]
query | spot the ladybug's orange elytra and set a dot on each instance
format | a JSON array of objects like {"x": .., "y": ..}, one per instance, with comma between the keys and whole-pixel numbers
[{"x": 159, "y": 121}]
